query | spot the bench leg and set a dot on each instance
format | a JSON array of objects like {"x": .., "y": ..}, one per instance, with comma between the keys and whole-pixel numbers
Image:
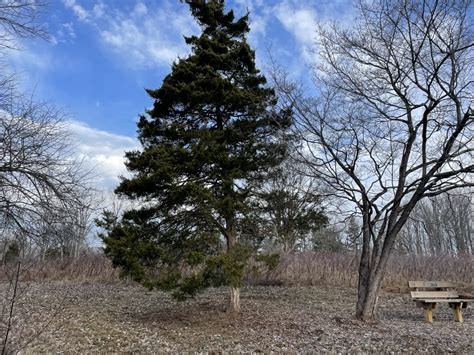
[
  {"x": 458, "y": 313},
  {"x": 429, "y": 313}
]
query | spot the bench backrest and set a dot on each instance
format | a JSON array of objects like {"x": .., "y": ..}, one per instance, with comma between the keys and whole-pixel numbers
[{"x": 432, "y": 289}]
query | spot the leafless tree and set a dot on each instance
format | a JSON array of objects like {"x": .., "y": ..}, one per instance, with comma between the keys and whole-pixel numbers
[
  {"x": 39, "y": 175},
  {"x": 18, "y": 19},
  {"x": 440, "y": 225},
  {"x": 38, "y": 171},
  {"x": 291, "y": 206},
  {"x": 42, "y": 189},
  {"x": 393, "y": 120}
]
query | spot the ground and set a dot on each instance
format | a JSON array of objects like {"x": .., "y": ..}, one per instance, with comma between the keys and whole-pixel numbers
[{"x": 93, "y": 317}]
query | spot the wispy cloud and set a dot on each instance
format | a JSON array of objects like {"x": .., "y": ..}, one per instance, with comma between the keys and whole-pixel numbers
[
  {"x": 144, "y": 36},
  {"x": 302, "y": 18},
  {"x": 65, "y": 33},
  {"x": 301, "y": 22},
  {"x": 78, "y": 10},
  {"x": 103, "y": 152},
  {"x": 31, "y": 61}
]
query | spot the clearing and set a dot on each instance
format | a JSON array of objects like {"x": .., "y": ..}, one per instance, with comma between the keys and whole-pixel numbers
[{"x": 95, "y": 317}]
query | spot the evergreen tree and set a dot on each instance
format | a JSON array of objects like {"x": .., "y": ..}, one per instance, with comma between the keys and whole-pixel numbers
[{"x": 207, "y": 144}]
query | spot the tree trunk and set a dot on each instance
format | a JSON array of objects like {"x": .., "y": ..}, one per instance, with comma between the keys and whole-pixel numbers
[
  {"x": 234, "y": 299},
  {"x": 367, "y": 296},
  {"x": 364, "y": 270},
  {"x": 371, "y": 272},
  {"x": 234, "y": 304}
]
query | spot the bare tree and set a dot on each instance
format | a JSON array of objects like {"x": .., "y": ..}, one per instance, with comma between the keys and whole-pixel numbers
[
  {"x": 292, "y": 206},
  {"x": 18, "y": 19},
  {"x": 440, "y": 225},
  {"x": 42, "y": 185},
  {"x": 393, "y": 120},
  {"x": 38, "y": 171},
  {"x": 39, "y": 175}
]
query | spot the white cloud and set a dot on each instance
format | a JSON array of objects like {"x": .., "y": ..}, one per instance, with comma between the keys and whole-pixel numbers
[
  {"x": 78, "y": 10},
  {"x": 149, "y": 37},
  {"x": 258, "y": 25},
  {"x": 302, "y": 23},
  {"x": 69, "y": 28},
  {"x": 99, "y": 9},
  {"x": 140, "y": 9},
  {"x": 31, "y": 59},
  {"x": 65, "y": 33},
  {"x": 103, "y": 152},
  {"x": 143, "y": 36},
  {"x": 301, "y": 19}
]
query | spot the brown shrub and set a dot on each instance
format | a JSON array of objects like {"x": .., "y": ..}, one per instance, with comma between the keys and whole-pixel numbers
[
  {"x": 86, "y": 268},
  {"x": 340, "y": 269},
  {"x": 295, "y": 269}
]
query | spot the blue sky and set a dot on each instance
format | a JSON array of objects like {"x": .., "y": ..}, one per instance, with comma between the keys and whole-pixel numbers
[{"x": 103, "y": 53}]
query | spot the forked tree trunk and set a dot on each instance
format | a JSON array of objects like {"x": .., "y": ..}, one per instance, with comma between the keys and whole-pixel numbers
[
  {"x": 374, "y": 260},
  {"x": 367, "y": 296},
  {"x": 371, "y": 272},
  {"x": 234, "y": 304}
]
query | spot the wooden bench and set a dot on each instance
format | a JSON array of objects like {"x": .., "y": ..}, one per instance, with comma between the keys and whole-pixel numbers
[{"x": 427, "y": 294}]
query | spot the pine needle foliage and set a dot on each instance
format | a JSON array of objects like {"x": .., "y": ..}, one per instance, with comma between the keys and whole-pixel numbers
[{"x": 207, "y": 144}]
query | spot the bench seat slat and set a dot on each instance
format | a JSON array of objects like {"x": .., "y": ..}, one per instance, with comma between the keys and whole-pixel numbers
[
  {"x": 434, "y": 294},
  {"x": 445, "y": 300},
  {"x": 431, "y": 284}
]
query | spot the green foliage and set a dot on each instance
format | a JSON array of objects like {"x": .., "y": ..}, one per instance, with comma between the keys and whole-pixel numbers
[
  {"x": 353, "y": 234},
  {"x": 328, "y": 238},
  {"x": 207, "y": 145},
  {"x": 228, "y": 268},
  {"x": 292, "y": 206},
  {"x": 57, "y": 252},
  {"x": 271, "y": 260},
  {"x": 12, "y": 254}
]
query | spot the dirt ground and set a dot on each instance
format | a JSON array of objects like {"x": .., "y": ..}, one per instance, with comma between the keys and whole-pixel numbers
[{"x": 92, "y": 317}]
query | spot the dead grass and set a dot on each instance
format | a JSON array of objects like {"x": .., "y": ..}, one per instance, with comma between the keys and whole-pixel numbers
[
  {"x": 340, "y": 269},
  {"x": 119, "y": 318},
  {"x": 297, "y": 269},
  {"x": 81, "y": 305},
  {"x": 85, "y": 268}
]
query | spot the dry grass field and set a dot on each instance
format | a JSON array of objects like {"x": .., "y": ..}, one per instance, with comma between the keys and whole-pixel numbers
[
  {"x": 86, "y": 317},
  {"x": 307, "y": 304}
]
